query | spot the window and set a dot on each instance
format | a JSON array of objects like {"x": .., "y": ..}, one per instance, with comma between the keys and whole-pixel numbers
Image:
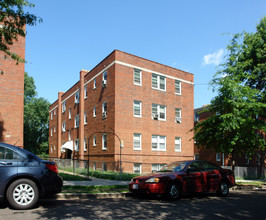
[
  {"x": 85, "y": 144},
  {"x": 178, "y": 144},
  {"x": 54, "y": 129},
  {"x": 51, "y": 149},
  {"x": 7, "y": 154},
  {"x": 218, "y": 157},
  {"x": 246, "y": 159},
  {"x": 137, "y": 77},
  {"x": 69, "y": 113},
  {"x": 156, "y": 167},
  {"x": 177, "y": 87},
  {"x": 77, "y": 145},
  {"x": 104, "y": 141},
  {"x": 104, "y": 110},
  {"x": 137, "y": 168},
  {"x": 77, "y": 121},
  {"x": 51, "y": 131},
  {"x": 94, "y": 140},
  {"x": 178, "y": 115},
  {"x": 137, "y": 108},
  {"x": 69, "y": 135},
  {"x": 85, "y": 118},
  {"x": 158, "y": 82},
  {"x": 94, "y": 112},
  {"x": 196, "y": 117},
  {"x": 64, "y": 126},
  {"x": 77, "y": 97},
  {"x": 94, "y": 165},
  {"x": 104, "y": 166},
  {"x": 158, "y": 143},
  {"x": 105, "y": 75},
  {"x": 137, "y": 141},
  {"x": 55, "y": 112},
  {"x": 94, "y": 84},
  {"x": 51, "y": 115},
  {"x": 85, "y": 92},
  {"x": 158, "y": 112},
  {"x": 63, "y": 106}
]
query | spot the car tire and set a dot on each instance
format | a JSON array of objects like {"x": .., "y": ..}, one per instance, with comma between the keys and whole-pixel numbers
[
  {"x": 223, "y": 189},
  {"x": 22, "y": 194},
  {"x": 173, "y": 191}
]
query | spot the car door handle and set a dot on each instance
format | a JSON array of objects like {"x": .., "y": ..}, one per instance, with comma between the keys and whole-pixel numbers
[{"x": 4, "y": 163}]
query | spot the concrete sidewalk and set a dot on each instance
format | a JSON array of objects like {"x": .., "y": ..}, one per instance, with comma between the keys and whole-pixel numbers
[{"x": 95, "y": 182}]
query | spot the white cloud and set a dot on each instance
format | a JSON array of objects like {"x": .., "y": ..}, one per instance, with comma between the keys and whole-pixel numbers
[{"x": 214, "y": 58}]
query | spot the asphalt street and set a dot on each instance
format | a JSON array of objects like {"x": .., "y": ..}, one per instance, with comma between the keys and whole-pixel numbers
[{"x": 238, "y": 205}]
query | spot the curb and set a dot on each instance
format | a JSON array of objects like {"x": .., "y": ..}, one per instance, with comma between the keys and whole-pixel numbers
[{"x": 63, "y": 196}]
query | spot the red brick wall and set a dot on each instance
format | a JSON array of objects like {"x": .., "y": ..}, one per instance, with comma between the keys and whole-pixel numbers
[
  {"x": 12, "y": 96},
  {"x": 119, "y": 95}
]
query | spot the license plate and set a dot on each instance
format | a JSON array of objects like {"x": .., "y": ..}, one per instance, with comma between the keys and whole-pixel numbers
[{"x": 135, "y": 186}]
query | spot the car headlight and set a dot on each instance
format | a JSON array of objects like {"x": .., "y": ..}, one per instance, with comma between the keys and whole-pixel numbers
[{"x": 153, "y": 180}]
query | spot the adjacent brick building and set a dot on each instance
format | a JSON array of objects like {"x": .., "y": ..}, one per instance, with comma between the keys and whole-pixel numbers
[
  {"x": 125, "y": 100},
  {"x": 12, "y": 95},
  {"x": 256, "y": 160}
]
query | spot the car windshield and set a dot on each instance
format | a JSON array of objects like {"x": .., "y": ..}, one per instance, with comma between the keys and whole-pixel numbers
[{"x": 174, "y": 167}]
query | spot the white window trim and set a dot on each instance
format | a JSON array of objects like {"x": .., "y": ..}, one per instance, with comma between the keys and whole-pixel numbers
[
  {"x": 76, "y": 97},
  {"x": 77, "y": 145},
  {"x": 94, "y": 141},
  {"x": 103, "y": 111},
  {"x": 158, "y": 82},
  {"x": 76, "y": 120},
  {"x": 140, "y": 167},
  {"x": 158, "y": 143},
  {"x": 180, "y": 93},
  {"x": 104, "y": 148},
  {"x": 51, "y": 132},
  {"x": 51, "y": 116},
  {"x": 94, "y": 83},
  {"x": 180, "y": 140},
  {"x": 85, "y": 118},
  {"x": 69, "y": 113},
  {"x": 140, "y": 141},
  {"x": 69, "y": 135},
  {"x": 180, "y": 113},
  {"x": 64, "y": 126},
  {"x": 158, "y": 111},
  {"x": 94, "y": 112},
  {"x": 218, "y": 157},
  {"x": 64, "y": 107},
  {"x": 159, "y": 166},
  {"x": 140, "y": 73},
  {"x": 85, "y": 92},
  {"x": 140, "y": 103},
  {"x": 85, "y": 144}
]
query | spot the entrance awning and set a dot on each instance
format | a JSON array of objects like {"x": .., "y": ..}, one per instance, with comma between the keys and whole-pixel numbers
[{"x": 68, "y": 145}]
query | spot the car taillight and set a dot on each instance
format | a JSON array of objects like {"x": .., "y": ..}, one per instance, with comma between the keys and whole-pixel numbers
[{"x": 52, "y": 167}]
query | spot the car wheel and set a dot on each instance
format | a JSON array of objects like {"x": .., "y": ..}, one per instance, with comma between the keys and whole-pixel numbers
[
  {"x": 22, "y": 194},
  {"x": 223, "y": 189},
  {"x": 173, "y": 191}
]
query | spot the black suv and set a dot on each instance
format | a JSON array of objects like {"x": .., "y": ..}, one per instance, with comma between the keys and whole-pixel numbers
[{"x": 24, "y": 177}]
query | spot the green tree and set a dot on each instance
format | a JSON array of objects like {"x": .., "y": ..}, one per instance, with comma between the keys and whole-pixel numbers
[
  {"x": 237, "y": 120},
  {"x": 36, "y": 119},
  {"x": 13, "y": 20}
]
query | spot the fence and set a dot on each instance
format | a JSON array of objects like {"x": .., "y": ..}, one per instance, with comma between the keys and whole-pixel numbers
[{"x": 81, "y": 167}]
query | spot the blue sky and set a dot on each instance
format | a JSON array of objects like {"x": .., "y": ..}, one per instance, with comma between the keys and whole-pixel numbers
[{"x": 188, "y": 35}]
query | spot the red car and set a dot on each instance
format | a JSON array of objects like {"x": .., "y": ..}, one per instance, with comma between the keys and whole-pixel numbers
[{"x": 178, "y": 178}]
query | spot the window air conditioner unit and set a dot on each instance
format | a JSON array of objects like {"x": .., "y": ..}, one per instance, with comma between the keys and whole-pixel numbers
[
  {"x": 104, "y": 114},
  {"x": 155, "y": 116},
  {"x": 178, "y": 120},
  {"x": 104, "y": 83}
]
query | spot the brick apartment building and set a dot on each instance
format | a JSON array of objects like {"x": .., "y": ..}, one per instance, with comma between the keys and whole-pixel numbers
[
  {"x": 12, "y": 95},
  {"x": 125, "y": 100},
  {"x": 256, "y": 160}
]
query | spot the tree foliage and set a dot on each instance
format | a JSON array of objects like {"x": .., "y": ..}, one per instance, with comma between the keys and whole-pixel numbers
[
  {"x": 36, "y": 119},
  {"x": 237, "y": 121},
  {"x": 13, "y": 20}
]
